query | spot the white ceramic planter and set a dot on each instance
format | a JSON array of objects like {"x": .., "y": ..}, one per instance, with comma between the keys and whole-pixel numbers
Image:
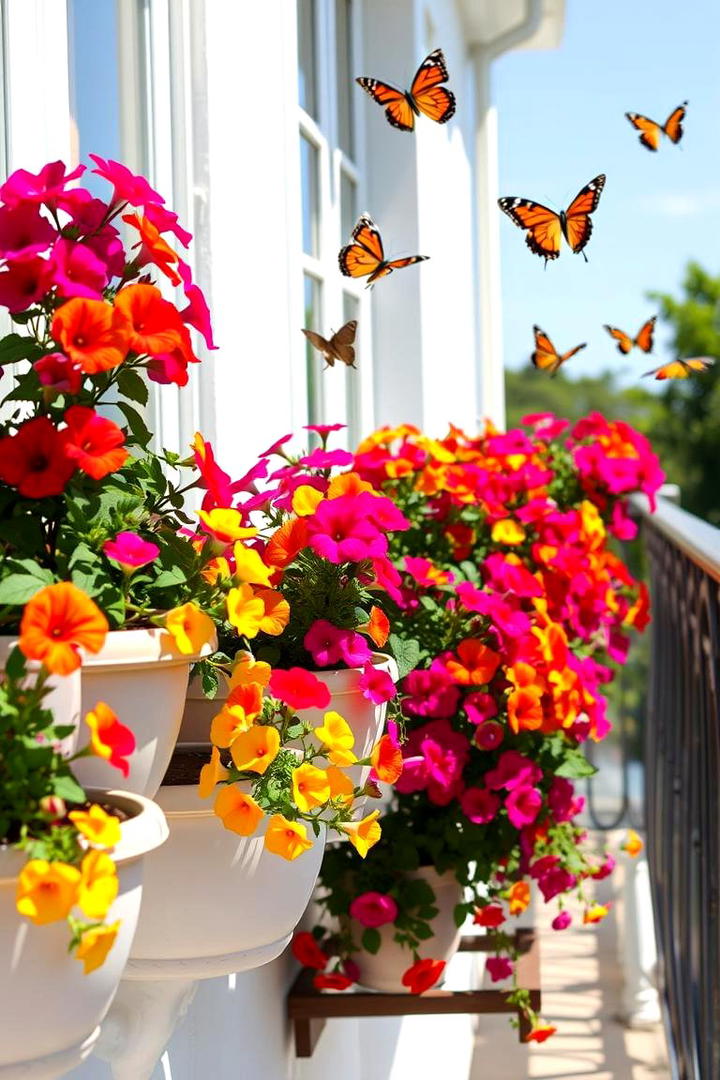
[
  {"x": 49, "y": 1009},
  {"x": 141, "y": 675},
  {"x": 215, "y": 902},
  {"x": 384, "y": 970},
  {"x": 199, "y": 711},
  {"x": 63, "y": 699}
]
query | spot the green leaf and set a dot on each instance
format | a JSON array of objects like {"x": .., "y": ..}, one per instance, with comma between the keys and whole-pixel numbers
[
  {"x": 459, "y": 914},
  {"x": 137, "y": 425},
  {"x": 575, "y": 766},
  {"x": 15, "y": 347},
  {"x": 170, "y": 579},
  {"x": 132, "y": 385},
  {"x": 406, "y": 653},
  {"x": 18, "y": 588},
  {"x": 68, "y": 789},
  {"x": 371, "y": 940}
]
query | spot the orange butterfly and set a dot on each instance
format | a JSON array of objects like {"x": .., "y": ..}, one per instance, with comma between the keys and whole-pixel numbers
[
  {"x": 340, "y": 346},
  {"x": 650, "y": 132},
  {"x": 424, "y": 96},
  {"x": 546, "y": 357},
  {"x": 643, "y": 340},
  {"x": 681, "y": 369},
  {"x": 545, "y": 228},
  {"x": 365, "y": 255}
]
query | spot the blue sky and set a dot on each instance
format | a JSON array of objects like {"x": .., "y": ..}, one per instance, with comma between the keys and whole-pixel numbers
[{"x": 561, "y": 122}]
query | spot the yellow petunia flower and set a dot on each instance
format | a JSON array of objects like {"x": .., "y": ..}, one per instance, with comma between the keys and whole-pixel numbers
[
  {"x": 249, "y": 670},
  {"x": 96, "y": 826},
  {"x": 47, "y": 891},
  {"x": 224, "y": 525},
  {"x": 311, "y": 787},
  {"x": 189, "y": 628},
  {"x": 335, "y": 732},
  {"x": 363, "y": 834},
  {"x": 211, "y": 775},
  {"x": 341, "y": 786},
  {"x": 249, "y": 566},
  {"x": 277, "y": 612},
  {"x": 245, "y": 610},
  {"x": 305, "y": 500},
  {"x": 254, "y": 750},
  {"x": 95, "y": 944},
  {"x": 98, "y": 885},
  {"x": 507, "y": 531},
  {"x": 238, "y": 714}
]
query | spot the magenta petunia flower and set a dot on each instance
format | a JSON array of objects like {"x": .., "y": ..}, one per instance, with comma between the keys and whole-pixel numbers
[
  {"x": 59, "y": 372},
  {"x": 489, "y": 735},
  {"x": 499, "y": 967},
  {"x": 166, "y": 221},
  {"x": 554, "y": 882},
  {"x": 376, "y": 685},
  {"x": 562, "y": 920},
  {"x": 23, "y": 282},
  {"x": 24, "y": 232},
  {"x": 324, "y": 429},
  {"x": 374, "y": 909},
  {"x": 43, "y": 187},
  {"x": 430, "y": 693},
  {"x": 77, "y": 270},
  {"x": 480, "y": 707},
  {"x": 479, "y": 805},
  {"x": 523, "y": 804},
  {"x": 131, "y": 551},
  {"x": 513, "y": 770},
  {"x": 197, "y": 312},
  {"x": 127, "y": 187},
  {"x": 340, "y": 531},
  {"x": 323, "y": 642},
  {"x": 326, "y": 459}
]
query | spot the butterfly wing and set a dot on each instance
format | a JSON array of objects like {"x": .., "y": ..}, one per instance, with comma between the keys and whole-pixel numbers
[
  {"x": 322, "y": 345},
  {"x": 673, "y": 125},
  {"x": 397, "y": 108},
  {"x": 365, "y": 255},
  {"x": 578, "y": 224},
  {"x": 543, "y": 227},
  {"x": 433, "y": 100},
  {"x": 397, "y": 264},
  {"x": 644, "y": 339},
  {"x": 571, "y": 352},
  {"x": 625, "y": 343},
  {"x": 545, "y": 357},
  {"x": 650, "y": 132},
  {"x": 342, "y": 342},
  {"x": 681, "y": 369}
]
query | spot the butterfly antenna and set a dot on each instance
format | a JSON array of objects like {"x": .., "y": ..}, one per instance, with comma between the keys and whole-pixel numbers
[{"x": 584, "y": 256}]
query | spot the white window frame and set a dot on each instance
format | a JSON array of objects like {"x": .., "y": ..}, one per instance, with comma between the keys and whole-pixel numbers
[{"x": 335, "y": 402}]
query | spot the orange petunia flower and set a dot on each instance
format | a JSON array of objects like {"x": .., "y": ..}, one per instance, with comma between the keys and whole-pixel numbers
[
  {"x": 595, "y": 913},
  {"x": 94, "y": 444},
  {"x": 477, "y": 664},
  {"x": 387, "y": 760},
  {"x": 289, "y": 839},
  {"x": 248, "y": 670},
  {"x": 341, "y": 786},
  {"x": 518, "y": 897},
  {"x": 154, "y": 324},
  {"x": 238, "y": 812},
  {"x": 311, "y": 787},
  {"x": 153, "y": 249},
  {"x": 47, "y": 891},
  {"x": 211, "y": 774},
  {"x": 59, "y": 621},
  {"x": 348, "y": 484},
  {"x": 525, "y": 711},
  {"x": 285, "y": 544},
  {"x": 254, "y": 750},
  {"x": 189, "y": 628},
  {"x": 93, "y": 334},
  {"x": 97, "y": 826},
  {"x": 277, "y": 611},
  {"x": 110, "y": 739},
  {"x": 377, "y": 627},
  {"x": 633, "y": 844},
  {"x": 238, "y": 714},
  {"x": 363, "y": 834},
  {"x": 250, "y": 567},
  {"x": 245, "y": 611},
  {"x": 95, "y": 944},
  {"x": 541, "y": 1032}
]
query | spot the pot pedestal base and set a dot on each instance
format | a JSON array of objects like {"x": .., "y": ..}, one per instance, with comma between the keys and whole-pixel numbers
[
  {"x": 52, "y": 1066},
  {"x": 203, "y": 967}
]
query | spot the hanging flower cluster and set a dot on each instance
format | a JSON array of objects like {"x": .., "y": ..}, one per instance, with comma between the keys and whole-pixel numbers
[
  {"x": 70, "y": 873},
  {"x": 303, "y": 564},
  {"x": 510, "y": 605}
]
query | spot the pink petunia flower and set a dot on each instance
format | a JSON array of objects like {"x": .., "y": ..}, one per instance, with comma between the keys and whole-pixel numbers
[
  {"x": 499, "y": 967},
  {"x": 197, "y": 312},
  {"x": 479, "y": 805},
  {"x": 513, "y": 770},
  {"x": 23, "y": 282},
  {"x": 340, "y": 531},
  {"x": 376, "y": 685},
  {"x": 43, "y": 187},
  {"x": 24, "y": 232},
  {"x": 77, "y": 271},
  {"x": 523, "y": 804},
  {"x": 480, "y": 706},
  {"x": 430, "y": 693},
  {"x": 326, "y": 459},
  {"x": 127, "y": 187},
  {"x": 562, "y": 920},
  {"x": 58, "y": 372},
  {"x": 374, "y": 909},
  {"x": 131, "y": 551}
]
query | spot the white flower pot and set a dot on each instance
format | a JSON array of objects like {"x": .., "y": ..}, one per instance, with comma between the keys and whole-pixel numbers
[
  {"x": 385, "y": 969},
  {"x": 50, "y": 1010},
  {"x": 143, "y": 677},
  {"x": 64, "y": 697},
  {"x": 215, "y": 902},
  {"x": 200, "y": 710}
]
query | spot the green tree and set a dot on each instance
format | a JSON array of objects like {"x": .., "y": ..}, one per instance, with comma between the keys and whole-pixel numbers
[
  {"x": 531, "y": 391},
  {"x": 688, "y": 436}
]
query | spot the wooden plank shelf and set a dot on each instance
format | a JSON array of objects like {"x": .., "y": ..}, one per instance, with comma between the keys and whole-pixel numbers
[{"x": 309, "y": 1009}]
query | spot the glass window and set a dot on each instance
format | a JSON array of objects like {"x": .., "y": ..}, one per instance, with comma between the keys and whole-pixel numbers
[
  {"x": 307, "y": 78},
  {"x": 94, "y": 84},
  {"x": 351, "y": 309},
  {"x": 309, "y": 166},
  {"x": 345, "y": 75},
  {"x": 313, "y": 359},
  {"x": 348, "y": 205}
]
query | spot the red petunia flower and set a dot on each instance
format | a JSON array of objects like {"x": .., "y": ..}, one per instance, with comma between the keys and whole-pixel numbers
[
  {"x": 94, "y": 443},
  {"x": 306, "y": 949},
  {"x": 541, "y": 1032},
  {"x": 299, "y": 689},
  {"x": 334, "y": 980},
  {"x": 491, "y": 915},
  {"x": 110, "y": 739},
  {"x": 34, "y": 460},
  {"x": 422, "y": 975}
]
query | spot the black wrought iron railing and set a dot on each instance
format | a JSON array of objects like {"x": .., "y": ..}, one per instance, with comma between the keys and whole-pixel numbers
[{"x": 682, "y": 781}]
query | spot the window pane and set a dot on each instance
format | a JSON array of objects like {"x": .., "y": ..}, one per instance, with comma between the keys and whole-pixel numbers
[
  {"x": 94, "y": 83},
  {"x": 345, "y": 80},
  {"x": 313, "y": 359},
  {"x": 309, "y": 166},
  {"x": 351, "y": 308},
  {"x": 307, "y": 81},
  {"x": 348, "y": 205}
]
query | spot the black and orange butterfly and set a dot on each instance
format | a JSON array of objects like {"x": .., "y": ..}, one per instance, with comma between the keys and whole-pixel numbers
[
  {"x": 643, "y": 339},
  {"x": 546, "y": 357},
  {"x": 681, "y": 369},
  {"x": 545, "y": 228},
  {"x": 338, "y": 347},
  {"x": 426, "y": 95},
  {"x": 651, "y": 133},
  {"x": 365, "y": 256}
]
